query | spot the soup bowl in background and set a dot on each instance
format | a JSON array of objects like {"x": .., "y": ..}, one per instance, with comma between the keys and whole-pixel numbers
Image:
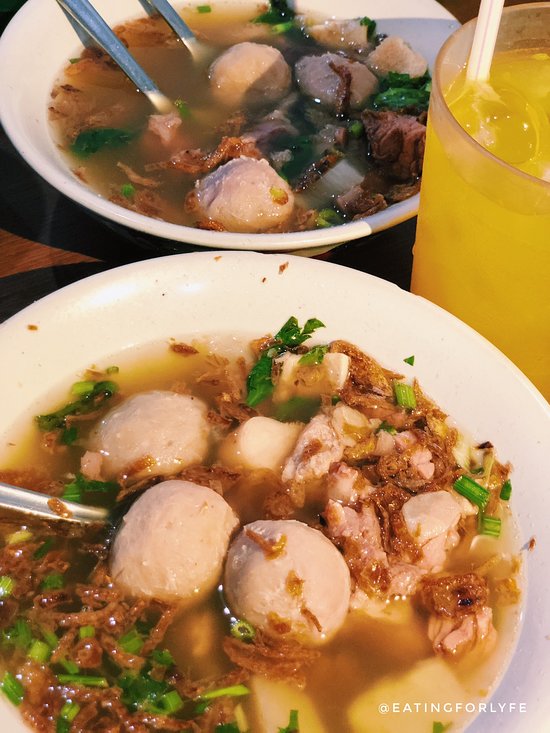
[
  {"x": 38, "y": 42},
  {"x": 121, "y": 311}
]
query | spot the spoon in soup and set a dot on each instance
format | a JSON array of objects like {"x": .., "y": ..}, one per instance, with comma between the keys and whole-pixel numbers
[{"x": 44, "y": 506}]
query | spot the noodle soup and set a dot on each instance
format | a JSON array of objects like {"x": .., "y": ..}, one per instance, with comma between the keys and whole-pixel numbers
[{"x": 410, "y": 517}]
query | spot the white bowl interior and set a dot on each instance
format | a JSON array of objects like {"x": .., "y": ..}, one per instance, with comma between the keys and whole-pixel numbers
[
  {"x": 31, "y": 60},
  {"x": 251, "y": 294}
]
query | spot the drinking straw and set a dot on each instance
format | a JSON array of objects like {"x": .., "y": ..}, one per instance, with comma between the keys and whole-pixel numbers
[{"x": 485, "y": 37}]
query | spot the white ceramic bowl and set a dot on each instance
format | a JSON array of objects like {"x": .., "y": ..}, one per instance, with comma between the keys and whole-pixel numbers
[
  {"x": 37, "y": 43},
  {"x": 247, "y": 293}
]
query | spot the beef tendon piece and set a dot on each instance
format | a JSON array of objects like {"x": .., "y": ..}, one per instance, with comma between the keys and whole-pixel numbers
[{"x": 396, "y": 142}]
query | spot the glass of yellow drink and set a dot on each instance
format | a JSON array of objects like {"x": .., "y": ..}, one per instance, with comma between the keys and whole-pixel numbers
[{"x": 482, "y": 247}]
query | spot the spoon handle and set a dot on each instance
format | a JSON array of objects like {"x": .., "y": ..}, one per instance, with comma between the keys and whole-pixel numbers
[
  {"x": 88, "y": 24},
  {"x": 36, "y": 504}
]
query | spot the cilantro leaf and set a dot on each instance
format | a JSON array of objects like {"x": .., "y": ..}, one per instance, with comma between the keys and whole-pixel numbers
[
  {"x": 91, "y": 141},
  {"x": 278, "y": 12},
  {"x": 370, "y": 24},
  {"x": 314, "y": 356}
]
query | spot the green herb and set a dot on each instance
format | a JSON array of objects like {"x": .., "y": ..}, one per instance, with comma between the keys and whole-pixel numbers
[
  {"x": 112, "y": 370},
  {"x": 386, "y": 427},
  {"x": 242, "y": 630},
  {"x": 285, "y": 27},
  {"x": 39, "y": 651},
  {"x": 473, "y": 491},
  {"x": 490, "y": 526},
  {"x": 162, "y": 656},
  {"x": 67, "y": 714},
  {"x": 404, "y": 395},
  {"x": 81, "y": 389},
  {"x": 409, "y": 360},
  {"x": 297, "y": 409},
  {"x": 86, "y": 632},
  {"x": 370, "y": 25},
  {"x": 303, "y": 154},
  {"x": 12, "y": 689},
  {"x": 74, "y": 60},
  {"x": 231, "y": 691},
  {"x": 53, "y": 581},
  {"x": 506, "y": 491},
  {"x": 355, "y": 129},
  {"x": 440, "y": 727},
  {"x": 69, "y": 666},
  {"x": 132, "y": 642},
  {"x": 292, "y": 726},
  {"x": 328, "y": 218},
  {"x": 204, "y": 9},
  {"x": 171, "y": 702},
  {"x": 68, "y": 436},
  {"x": 87, "y": 403},
  {"x": 142, "y": 692},
  {"x": 82, "y": 679},
  {"x": 227, "y": 728},
  {"x": 477, "y": 471},
  {"x": 279, "y": 12},
  {"x": 49, "y": 637},
  {"x": 290, "y": 336},
  {"x": 21, "y": 535},
  {"x": 89, "y": 142},
  {"x": 44, "y": 548},
  {"x": 7, "y": 585},
  {"x": 19, "y": 634},
  {"x": 314, "y": 356},
  {"x": 183, "y": 108},
  {"x": 79, "y": 486},
  {"x": 397, "y": 91},
  {"x": 127, "y": 190}
]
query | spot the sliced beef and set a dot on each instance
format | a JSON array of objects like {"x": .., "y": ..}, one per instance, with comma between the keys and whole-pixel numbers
[{"x": 396, "y": 143}]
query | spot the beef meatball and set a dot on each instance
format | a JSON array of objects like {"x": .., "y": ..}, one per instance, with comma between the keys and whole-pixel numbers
[
  {"x": 245, "y": 195},
  {"x": 287, "y": 579},
  {"x": 173, "y": 541}
]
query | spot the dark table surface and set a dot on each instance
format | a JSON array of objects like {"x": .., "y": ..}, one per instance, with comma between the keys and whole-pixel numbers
[{"x": 47, "y": 241}]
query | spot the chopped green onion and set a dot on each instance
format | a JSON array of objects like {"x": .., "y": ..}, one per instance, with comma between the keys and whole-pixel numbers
[
  {"x": 370, "y": 24},
  {"x": 39, "y": 651},
  {"x": 440, "y": 727},
  {"x": 75, "y": 490},
  {"x": 49, "y": 637},
  {"x": 86, "y": 632},
  {"x": 69, "y": 711},
  {"x": 53, "y": 581},
  {"x": 328, "y": 218},
  {"x": 242, "y": 630},
  {"x": 7, "y": 585},
  {"x": 132, "y": 642},
  {"x": 355, "y": 129},
  {"x": 127, "y": 190},
  {"x": 171, "y": 702},
  {"x": 473, "y": 491},
  {"x": 44, "y": 548},
  {"x": 506, "y": 491},
  {"x": 112, "y": 369},
  {"x": 404, "y": 395},
  {"x": 82, "y": 679},
  {"x": 386, "y": 427},
  {"x": 490, "y": 526},
  {"x": 12, "y": 689},
  {"x": 87, "y": 402},
  {"x": 204, "y": 9},
  {"x": 280, "y": 28},
  {"x": 69, "y": 666},
  {"x": 183, "y": 108},
  {"x": 80, "y": 389},
  {"x": 19, "y": 634},
  {"x": 409, "y": 360},
  {"x": 292, "y": 726},
  {"x": 162, "y": 656},
  {"x": 22, "y": 535},
  {"x": 231, "y": 691},
  {"x": 74, "y": 60}
]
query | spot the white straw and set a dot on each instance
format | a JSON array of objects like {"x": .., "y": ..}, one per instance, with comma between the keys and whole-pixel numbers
[{"x": 485, "y": 36}]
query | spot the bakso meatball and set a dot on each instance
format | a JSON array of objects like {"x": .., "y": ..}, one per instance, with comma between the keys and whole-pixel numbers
[
  {"x": 395, "y": 54},
  {"x": 173, "y": 541},
  {"x": 288, "y": 580},
  {"x": 318, "y": 79},
  {"x": 250, "y": 74},
  {"x": 260, "y": 442},
  {"x": 152, "y": 433},
  {"x": 245, "y": 195}
]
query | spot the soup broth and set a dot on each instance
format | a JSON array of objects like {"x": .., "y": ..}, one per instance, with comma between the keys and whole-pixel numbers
[
  {"x": 382, "y": 648},
  {"x": 326, "y": 165}
]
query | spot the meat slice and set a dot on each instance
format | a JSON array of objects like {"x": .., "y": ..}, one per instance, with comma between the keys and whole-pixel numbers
[
  {"x": 318, "y": 446},
  {"x": 396, "y": 141},
  {"x": 455, "y": 637}
]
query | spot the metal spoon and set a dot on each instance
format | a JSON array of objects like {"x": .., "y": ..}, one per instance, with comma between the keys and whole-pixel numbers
[{"x": 45, "y": 506}]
